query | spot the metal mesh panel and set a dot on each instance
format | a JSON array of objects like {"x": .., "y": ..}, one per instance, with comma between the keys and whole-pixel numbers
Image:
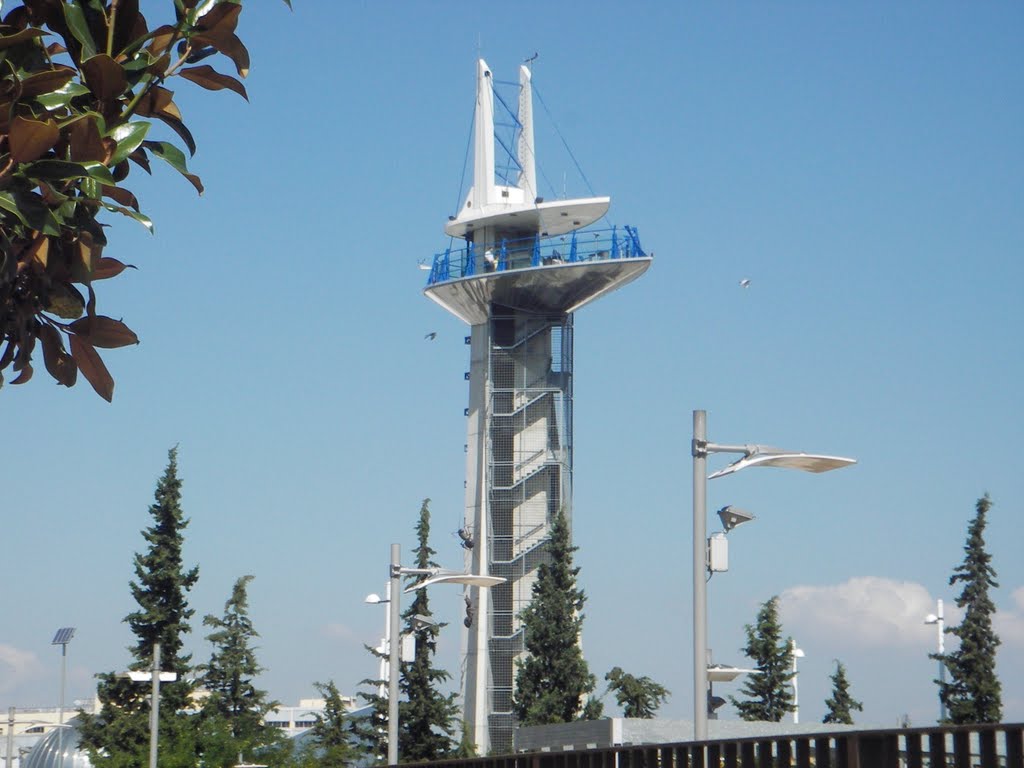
[{"x": 529, "y": 478}]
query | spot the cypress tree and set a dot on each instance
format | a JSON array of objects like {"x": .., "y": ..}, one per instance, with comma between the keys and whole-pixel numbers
[
  {"x": 233, "y": 713},
  {"x": 841, "y": 704},
  {"x": 973, "y": 693},
  {"x": 554, "y": 681},
  {"x": 770, "y": 695},
  {"x": 427, "y": 718},
  {"x": 118, "y": 736}
]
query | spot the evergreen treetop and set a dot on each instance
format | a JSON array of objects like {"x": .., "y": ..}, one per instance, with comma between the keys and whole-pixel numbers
[
  {"x": 638, "y": 696},
  {"x": 118, "y": 736},
  {"x": 233, "y": 711},
  {"x": 841, "y": 704},
  {"x": 769, "y": 692},
  {"x": 428, "y": 717},
  {"x": 553, "y": 681},
  {"x": 973, "y": 693}
]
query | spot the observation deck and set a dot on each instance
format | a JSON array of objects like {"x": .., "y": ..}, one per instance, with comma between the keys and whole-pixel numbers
[{"x": 540, "y": 274}]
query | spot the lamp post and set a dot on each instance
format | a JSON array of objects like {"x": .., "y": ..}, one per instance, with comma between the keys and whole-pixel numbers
[
  {"x": 937, "y": 619},
  {"x": 154, "y": 676},
  {"x": 752, "y": 456},
  {"x": 433, "y": 576},
  {"x": 796, "y": 654},
  {"x": 62, "y": 638}
]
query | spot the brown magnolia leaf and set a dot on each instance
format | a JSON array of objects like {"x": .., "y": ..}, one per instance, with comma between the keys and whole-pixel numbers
[
  {"x": 86, "y": 143},
  {"x": 155, "y": 100},
  {"x": 220, "y": 21},
  {"x": 104, "y": 76},
  {"x": 104, "y": 332},
  {"x": 108, "y": 267},
  {"x": 85, "y": 254},
  {"x": 58, "y": 362},
  {"x": 162, "y": 38},
  {"x": 212, "y": 80},
  {"x": 92, "y": 367},
  {"x": 47, "y": 81},
  {"x": 235, "y": 50},
  {"x": 6, "y": 41},
  {"x": 31, "y": 139},
  {"x": 121, "y": 195},
  {"x": 25, "y": 375},
  {"x": 141, "y": 159},
  {"x": 39, "y": 251}
]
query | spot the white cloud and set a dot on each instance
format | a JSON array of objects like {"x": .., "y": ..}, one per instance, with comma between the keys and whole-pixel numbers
[
  {"x": 874, "y": 612},
  {"x": 1009, "y": 623},
  {"x": 17, "y": 666},
  {"x": 864, "y": 611},
  {"x": 338, "y": 631}
]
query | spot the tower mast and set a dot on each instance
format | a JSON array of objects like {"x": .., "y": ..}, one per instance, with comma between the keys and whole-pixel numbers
[{"x": 524, "y": 266}]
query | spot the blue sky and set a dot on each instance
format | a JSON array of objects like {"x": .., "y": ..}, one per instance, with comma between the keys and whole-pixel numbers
[{"x": 862, "y": 165}]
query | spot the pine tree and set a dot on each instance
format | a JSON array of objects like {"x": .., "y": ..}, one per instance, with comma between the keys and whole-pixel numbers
[
  {"x": 841, "y": 704},
  {"x": 638, "y": 696},
  {"x": 973, "y": 694},
  {"x": 770, "y": 695},
  {"x": 371, "y": 731},
  {"x": 427, "y": 717},
  {"x": 118, "y": 737},
  {"x": 553, "y": 681},
  {"x": 330, "y": 743},
  {"x": 233, "y": 712}
]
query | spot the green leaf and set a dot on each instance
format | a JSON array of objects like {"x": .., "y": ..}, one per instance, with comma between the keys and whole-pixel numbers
[
  {"x": 55, "y": 170},
  {"x": 35, "y": 213},
  {"x": 75, "y": 18},
  {"x": 8, "y": 204},
  {"x": 62, "y": 96},
  {"x": 99, "y": 172},
  {"x": 175, "y": 158},
  {"x": 142, "y": 218},
  {"x": 129, "y": 137}
]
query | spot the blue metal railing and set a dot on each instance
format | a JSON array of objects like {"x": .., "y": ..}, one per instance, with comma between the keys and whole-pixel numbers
[{"x": 507, "y": 255}]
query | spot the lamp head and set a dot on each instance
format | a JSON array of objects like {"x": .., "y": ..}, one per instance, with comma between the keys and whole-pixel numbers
[
  {"x": 931, "y": 618},
  {"x": 374, "y": 599},
  {"x": 733, "y": 516}
]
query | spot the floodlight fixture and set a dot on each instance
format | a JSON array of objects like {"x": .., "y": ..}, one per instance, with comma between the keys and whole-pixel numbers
[{"x": 733, "y": 517}]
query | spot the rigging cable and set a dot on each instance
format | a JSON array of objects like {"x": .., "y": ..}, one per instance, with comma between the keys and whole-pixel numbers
[{"x": 564, "y": 142}]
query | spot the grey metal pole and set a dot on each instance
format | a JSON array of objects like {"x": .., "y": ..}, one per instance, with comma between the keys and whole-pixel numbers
[
  {"x": 10, "y": 737},
  {"x": 60, "y": 711},
  {"x": 154, "y": 708},
  {"x": 698, "y": 450},
  {"x": 393, "y": 650},
  {"x": 942, "y": 662}
]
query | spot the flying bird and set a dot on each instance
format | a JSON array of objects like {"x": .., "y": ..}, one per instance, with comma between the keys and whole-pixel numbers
[
  {"x": 432, "y": 335},
  {"x": 745, "y": 282}
]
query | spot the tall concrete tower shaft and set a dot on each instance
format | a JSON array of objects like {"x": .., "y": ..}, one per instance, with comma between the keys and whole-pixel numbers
[{"x": 524, "y": 266}]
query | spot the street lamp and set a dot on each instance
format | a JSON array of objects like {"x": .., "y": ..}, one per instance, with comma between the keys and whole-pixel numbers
[
  {"x": 722, "y": 673},
  {"x": 752, "y": 456},
  {"x": 796, "y": 654},
  {"x": 154, "y": 676},
  {"x": 937, "y": 619},
  {"x": 62, "y": 638},
  {"x": 434, "y": 576}
]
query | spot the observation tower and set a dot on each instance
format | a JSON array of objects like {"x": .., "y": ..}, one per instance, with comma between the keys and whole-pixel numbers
[{"x": 522, "y": 267}]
